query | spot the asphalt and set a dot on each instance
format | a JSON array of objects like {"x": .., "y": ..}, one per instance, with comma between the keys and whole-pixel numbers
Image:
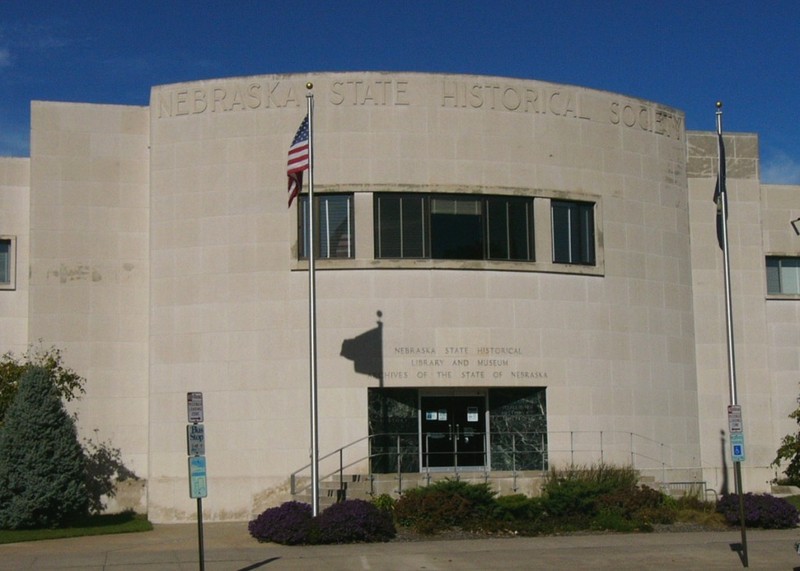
[{"x": 227, "y": 546}]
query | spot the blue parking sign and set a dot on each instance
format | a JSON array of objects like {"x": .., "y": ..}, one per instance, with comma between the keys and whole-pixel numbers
[{"x": 737, "y": 447}]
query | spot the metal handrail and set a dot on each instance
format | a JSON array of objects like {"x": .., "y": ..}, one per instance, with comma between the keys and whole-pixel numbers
[{"x": 547, "y": 452}]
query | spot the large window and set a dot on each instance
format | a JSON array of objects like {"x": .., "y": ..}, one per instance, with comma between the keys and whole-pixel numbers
[
  {"x": 7, "y": 262},
  {"x": 453, "y": 227},
  {"x": 333, "y": 221},
  {"x": 573, "y": 232},
  {"x": 783, "y": 275}
]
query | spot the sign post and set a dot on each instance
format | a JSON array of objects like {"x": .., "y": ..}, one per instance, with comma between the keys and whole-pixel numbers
[{"x": 196, "y": 449}]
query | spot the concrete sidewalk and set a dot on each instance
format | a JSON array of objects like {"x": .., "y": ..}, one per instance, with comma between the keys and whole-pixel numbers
[{"x": 229, "y": 547}]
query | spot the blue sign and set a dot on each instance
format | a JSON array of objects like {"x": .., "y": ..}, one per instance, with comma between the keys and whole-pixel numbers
[
  {"x": 737, "y": 447},
  {"x": 198, "y": 484}
]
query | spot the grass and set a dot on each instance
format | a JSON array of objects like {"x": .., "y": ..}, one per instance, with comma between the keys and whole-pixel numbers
[
  {"x": 106, "y": 524},
  {"x": 794, "y": 500}
]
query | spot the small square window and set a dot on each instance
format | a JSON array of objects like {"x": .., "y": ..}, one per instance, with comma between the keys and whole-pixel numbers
[
  {"x": 333, "y": 224},
  {"x": 8, "y": 262},
  {"x": 573, "y": 232},
  {"x": 783, "y": 275}
]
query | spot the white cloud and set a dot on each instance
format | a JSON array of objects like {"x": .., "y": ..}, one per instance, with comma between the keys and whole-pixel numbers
[
  {"x": 5, "y": 57},
  {"x": 780, "y": 168}
]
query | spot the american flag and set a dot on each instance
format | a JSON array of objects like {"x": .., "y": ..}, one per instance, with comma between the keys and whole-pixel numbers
[{"x": 298, "y": 160}]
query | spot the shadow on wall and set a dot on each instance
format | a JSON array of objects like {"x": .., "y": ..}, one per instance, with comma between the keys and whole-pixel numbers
[{"x": 366, "y": 351}]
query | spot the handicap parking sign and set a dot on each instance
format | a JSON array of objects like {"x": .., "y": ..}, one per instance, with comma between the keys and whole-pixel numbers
[{"x": 737, "y": 447}]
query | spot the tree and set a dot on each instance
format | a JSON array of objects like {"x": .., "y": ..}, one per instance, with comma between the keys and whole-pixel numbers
[
  {"x": 42, "y": 472},
  {"x": 68, "y": 383},
  {"x": 790, "y": 451}
]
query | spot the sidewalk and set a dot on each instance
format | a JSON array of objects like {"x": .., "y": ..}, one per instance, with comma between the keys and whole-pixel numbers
[{"x": 229, "y": 547}]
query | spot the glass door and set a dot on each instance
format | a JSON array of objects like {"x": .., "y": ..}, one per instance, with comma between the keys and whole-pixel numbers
[{"x": 453, "y": 431}]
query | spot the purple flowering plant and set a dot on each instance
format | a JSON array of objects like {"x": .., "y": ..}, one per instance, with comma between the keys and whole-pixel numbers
[{"x": 760, "y": 510}]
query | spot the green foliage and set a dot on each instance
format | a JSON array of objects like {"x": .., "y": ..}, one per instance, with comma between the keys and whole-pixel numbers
[
  {"x": 600, "y": 497},
  {"x": 789, "y": 451},
  {"x": 68, "y": 383},
  {"x": 384, "y": 502},
  {"x": 41, "y": 461},
  {"x": 613, "y": 520},
  {"x": 446, "y": 504},
  {"x": 519, "y": 507},
  {"x": 576, "y": 490}
]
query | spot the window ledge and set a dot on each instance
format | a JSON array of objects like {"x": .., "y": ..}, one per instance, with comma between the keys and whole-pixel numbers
[
  {"x": 783, "y": 297},
  {"x": 468, "y": 265}
]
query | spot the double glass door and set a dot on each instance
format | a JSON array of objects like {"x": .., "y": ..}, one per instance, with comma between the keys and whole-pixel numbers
[{"x": 453, "y": 431}]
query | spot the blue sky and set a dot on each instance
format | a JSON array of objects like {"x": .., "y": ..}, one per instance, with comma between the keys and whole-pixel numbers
[{"x": 686, "y": 54}]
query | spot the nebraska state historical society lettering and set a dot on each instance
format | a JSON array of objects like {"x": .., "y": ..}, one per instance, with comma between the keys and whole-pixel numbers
[{"x": 532, "y": 98}]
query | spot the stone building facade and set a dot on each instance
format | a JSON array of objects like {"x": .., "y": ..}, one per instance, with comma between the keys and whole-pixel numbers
[{"x": 512, "y": 275}]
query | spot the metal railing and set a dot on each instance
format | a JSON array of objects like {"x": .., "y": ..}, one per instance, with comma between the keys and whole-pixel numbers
[{"x": 375, "y": 453}]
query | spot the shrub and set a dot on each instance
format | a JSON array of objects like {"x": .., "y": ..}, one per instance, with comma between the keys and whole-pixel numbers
[
  {"x": 575, "y": 491},
  {"x": 446, "y": 504},
  {"x": 384, "y": 502},
  {"x": 354, "y": 521},
  {"x": 760, "y": 510},
  {"x": 428, "y": 511},
  {"x": 613, "y": 520},
  {"x": 519, "y": 507},
  {"x": 641, "y": 505},
  {"x": 289, "y": 524}
]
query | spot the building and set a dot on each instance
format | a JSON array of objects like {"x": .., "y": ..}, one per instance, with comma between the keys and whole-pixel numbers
[{"x": 513, "y": 275}]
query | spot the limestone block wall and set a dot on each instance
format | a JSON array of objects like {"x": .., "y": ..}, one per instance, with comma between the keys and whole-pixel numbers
[
  {"x": 89, "y": 262},
  {"x": 14, "y": 225}
]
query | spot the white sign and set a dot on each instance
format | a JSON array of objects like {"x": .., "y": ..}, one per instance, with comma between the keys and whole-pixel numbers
[
  {"x": 735, "y": 424},
  {"x": 194, "y": 405},
  {"x": 195, "y": 439}
]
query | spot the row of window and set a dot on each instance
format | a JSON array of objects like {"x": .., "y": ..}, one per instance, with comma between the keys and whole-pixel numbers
[{"x": 451, "y": 227}]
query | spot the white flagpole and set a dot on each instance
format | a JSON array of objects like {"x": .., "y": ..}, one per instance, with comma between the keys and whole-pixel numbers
[
  {"x": 312, "y": 310},
  {"x": 723, "y": 198}
]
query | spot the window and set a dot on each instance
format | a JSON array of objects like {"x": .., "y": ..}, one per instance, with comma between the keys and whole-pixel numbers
[
  {"x": 7, "y": 262},
  {"x": 783, "y": 275},
  {"x": 456, "y": 228},
  {"x": 573, "y": 232},
  {"x": 510, "y": 228},
  {"x": 333, "y": 217},
  {"x": 453, "y": 227},
  {"x": 400, "y": 227}
]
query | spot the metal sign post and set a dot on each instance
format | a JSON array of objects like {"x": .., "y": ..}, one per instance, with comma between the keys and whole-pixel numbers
[{"x": 196, "y": 449}]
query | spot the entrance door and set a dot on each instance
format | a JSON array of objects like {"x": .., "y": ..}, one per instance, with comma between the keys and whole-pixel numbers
[{"x": 453, "y": 432}]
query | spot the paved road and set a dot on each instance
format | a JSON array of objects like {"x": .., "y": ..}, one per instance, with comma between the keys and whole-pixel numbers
[{"x": 229, "y": 547}]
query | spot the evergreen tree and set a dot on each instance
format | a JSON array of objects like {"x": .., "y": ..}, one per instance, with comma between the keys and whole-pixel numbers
[{"x": 42, "y": 474}]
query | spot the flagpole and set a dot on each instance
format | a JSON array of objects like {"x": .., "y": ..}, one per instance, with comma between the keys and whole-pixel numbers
[
  {"x": 312, "y": 310},
  {"x": 723, "y": 199}
]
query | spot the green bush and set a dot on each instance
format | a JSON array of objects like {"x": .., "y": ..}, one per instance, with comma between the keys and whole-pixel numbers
[
  {"x": 446, "y": 504},
  {"x": 384, "y": 502},
  {"x": 42, "y": 473},
  {"x": 519, "y": 507},
  {"x": 641, "y": 505},
  {"x": 575, "y": 491}
]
